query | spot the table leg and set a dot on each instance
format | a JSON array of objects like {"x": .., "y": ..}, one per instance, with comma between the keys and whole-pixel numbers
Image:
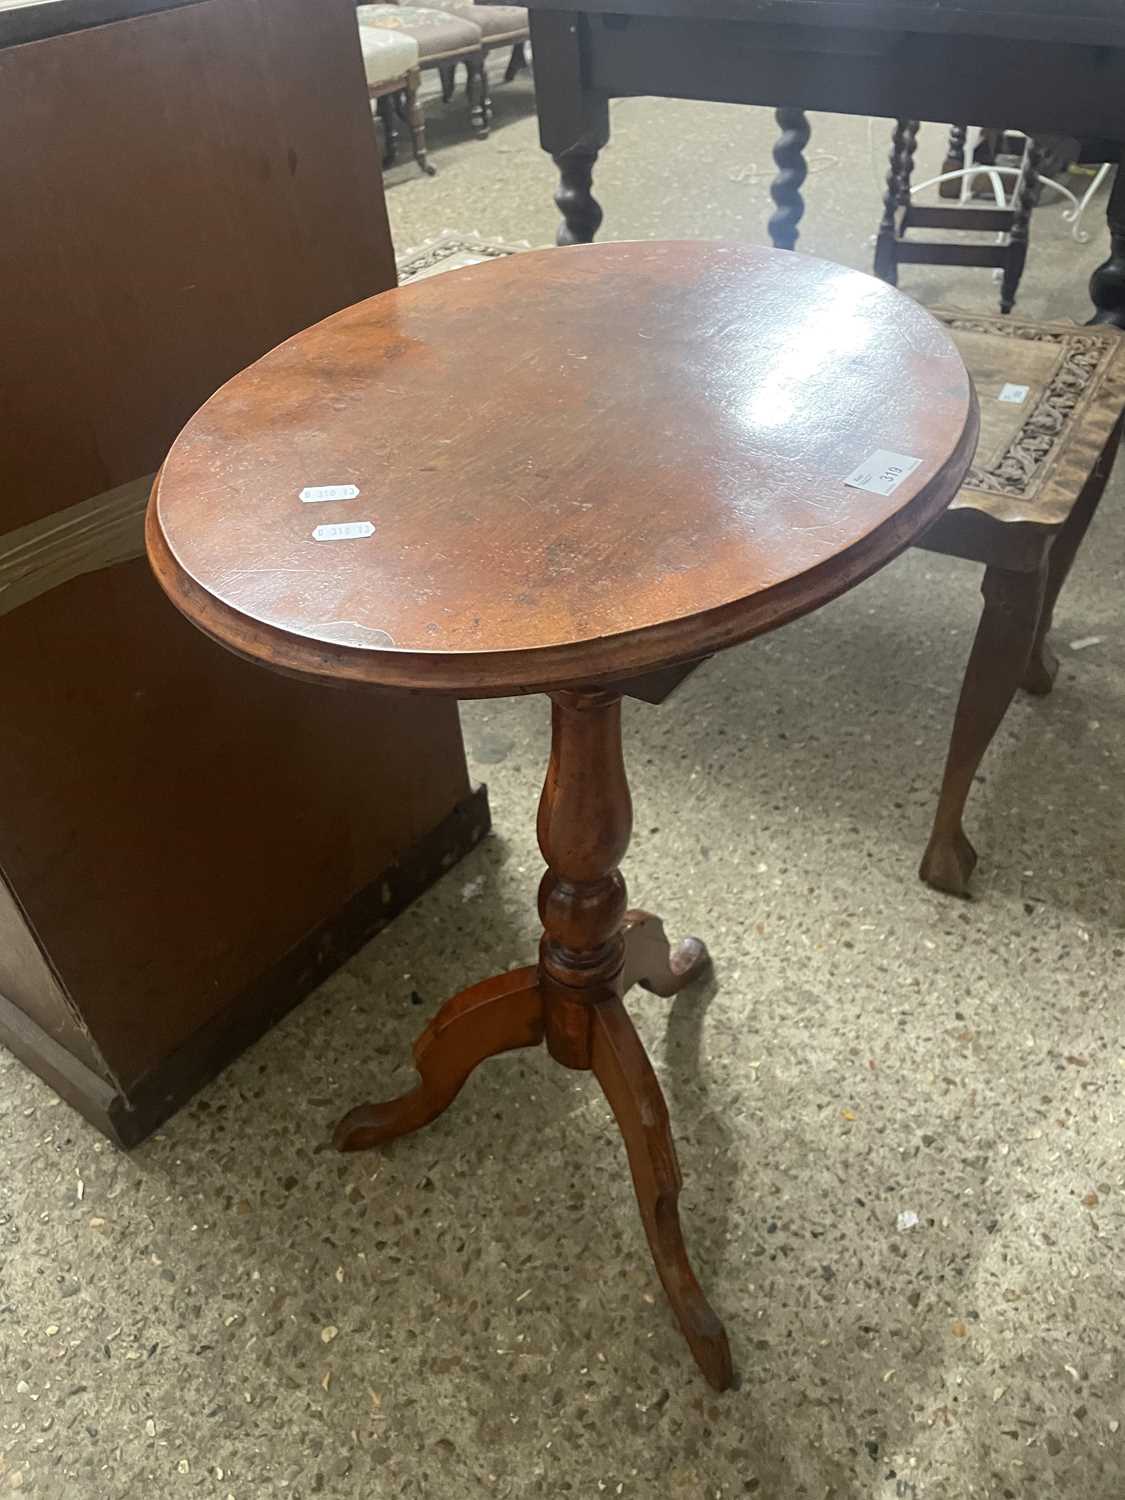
[
  {"x": 573, "y": 120},
  {"x": 581, "y": 211},
  {"x": 592, "y": 950},
  {"x": 1107, "y": 285},
  {"x": 590, "y": 947},
  {"x": 785, "y": 190}
]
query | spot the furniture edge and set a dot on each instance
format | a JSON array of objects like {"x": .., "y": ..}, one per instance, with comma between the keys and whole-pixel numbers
[{"x": 129, "y": 1111}]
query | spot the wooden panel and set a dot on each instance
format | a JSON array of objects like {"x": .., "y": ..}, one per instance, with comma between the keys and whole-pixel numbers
[
  {"x": 175, "y": 819},
  {"x": 1097, "y": 22},
  {"x": 28, "y": 982},
  {"x": 968, "y": 217},
  {"x": 187, "y": 189},
  {"x": 899, "y": 76},
  {"x": 32, "y": 20}
]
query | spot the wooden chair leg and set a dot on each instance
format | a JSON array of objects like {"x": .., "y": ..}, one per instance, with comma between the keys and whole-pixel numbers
[
  {"x": 654, "y": 963},
  {"x": 1026, "y": 197},
  {"x": 622, "y": 1067},
  {"x": 906, "y": 172},
  {"x": 448, "y": 76},
  {"x": 886, "y": 253},
  {"x": 493, "y": 1017},
  {"x": 417, "y": 122},
  {"x": 1043, "y": 665},
  {"x": 517, "y": 62},
  {"x": 1013, "y": 603},
  {"x": 954, "y": 161},
  {"x": 385, "y": 109},
  {"x": 480, "y": 105}
]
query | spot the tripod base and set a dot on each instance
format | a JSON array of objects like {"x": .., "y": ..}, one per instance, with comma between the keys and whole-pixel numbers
[{"x": 511, "y": 1011}]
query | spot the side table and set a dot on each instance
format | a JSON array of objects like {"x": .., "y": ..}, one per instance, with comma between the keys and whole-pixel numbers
[{"x": 682, "y": 445}]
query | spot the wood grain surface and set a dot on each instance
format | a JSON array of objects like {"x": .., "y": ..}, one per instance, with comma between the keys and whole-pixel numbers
[{"x": 652, "y": 468}]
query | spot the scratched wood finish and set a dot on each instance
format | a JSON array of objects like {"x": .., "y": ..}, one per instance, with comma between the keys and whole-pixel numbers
[{"x": 654, "y": 468}]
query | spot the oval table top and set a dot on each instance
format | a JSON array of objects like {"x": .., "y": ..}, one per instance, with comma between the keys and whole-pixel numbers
[{"x": 562, "y": 467}]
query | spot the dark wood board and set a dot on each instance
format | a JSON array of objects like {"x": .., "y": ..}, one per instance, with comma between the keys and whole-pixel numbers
[{"x": 1090, "y": 22}]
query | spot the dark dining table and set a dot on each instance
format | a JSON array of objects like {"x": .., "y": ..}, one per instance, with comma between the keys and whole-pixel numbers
[{"x": 1041, "y": 66}]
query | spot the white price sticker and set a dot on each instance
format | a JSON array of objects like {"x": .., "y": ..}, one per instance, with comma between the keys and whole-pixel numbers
[
  {"x": 343, "y": 531},
  {"x": 314, "y": 492},
  {"x": 883, "y": 472},
  {"x": 1016, "y": 394}
]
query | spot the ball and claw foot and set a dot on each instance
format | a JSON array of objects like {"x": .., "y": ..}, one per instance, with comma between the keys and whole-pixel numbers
[
  {"x": 948, "y": 863},
  {"x": 1042, "y": 669}
]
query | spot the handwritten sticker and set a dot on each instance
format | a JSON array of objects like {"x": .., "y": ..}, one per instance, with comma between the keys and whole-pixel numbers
[
  {"x": 314, "y": 492},
  {"x": 883, "y": 472},
  {"x": 343, "y": 531},
  {"x": 1016, "y": 394}
]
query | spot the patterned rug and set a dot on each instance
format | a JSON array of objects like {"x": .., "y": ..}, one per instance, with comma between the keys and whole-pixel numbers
[{"x": 449, "y": 251}]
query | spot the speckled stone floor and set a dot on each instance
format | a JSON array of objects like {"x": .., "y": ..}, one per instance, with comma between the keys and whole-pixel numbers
[{"x": 234, "y": 1311}]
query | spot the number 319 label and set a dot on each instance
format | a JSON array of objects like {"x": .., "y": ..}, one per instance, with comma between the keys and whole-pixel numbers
[{"x": 883, "y": 472}]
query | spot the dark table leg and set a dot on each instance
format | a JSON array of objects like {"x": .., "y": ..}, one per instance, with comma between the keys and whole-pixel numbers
[
  {"x": 1107, "y": 285},
  {"x": 792, "y": 169},
  {"x": 573, "y": 120}
]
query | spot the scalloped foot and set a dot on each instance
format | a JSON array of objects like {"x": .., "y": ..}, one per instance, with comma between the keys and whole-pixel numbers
[
  {"x": 1042, "y": 669},
  {"x": 948, "y": 863},
  {"x": 493, "y": 1017},
  {"x": 661, "y": 967}
]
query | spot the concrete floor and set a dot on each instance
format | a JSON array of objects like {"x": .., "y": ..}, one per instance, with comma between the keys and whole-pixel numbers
[{"x": 234, "y": 1311}]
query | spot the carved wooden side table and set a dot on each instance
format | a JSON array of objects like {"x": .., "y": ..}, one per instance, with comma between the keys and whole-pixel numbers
[{"x": 679, "y": 446}]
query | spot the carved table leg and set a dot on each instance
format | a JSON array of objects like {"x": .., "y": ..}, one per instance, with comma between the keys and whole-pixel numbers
[
  {"x": 656, "y": 964},
  {"x": 1043, "y": 666},
  {"x": 1107, "y": 285},
  {"x": 886, "y": 256},
  {"x": 581, "y": 211},
  {"x": 785, "y": 189},
  {"x": 622, "y": 1067},
  {"x": 1008, "y": 624},
  {"x": 585, "y": 819},
  {"x": 490, "y": 1018},
  {"x": 1026, "y": 196},
  {"x": 573, "y": 117}
]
